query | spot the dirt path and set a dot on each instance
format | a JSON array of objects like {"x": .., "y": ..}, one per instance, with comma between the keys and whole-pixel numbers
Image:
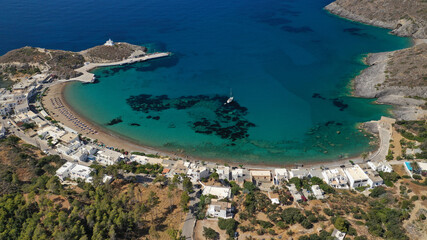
[{"x": 397, "y": 150}]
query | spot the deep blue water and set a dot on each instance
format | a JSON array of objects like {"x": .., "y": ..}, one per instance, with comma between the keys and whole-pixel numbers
[{"x": 288, "y": 62}]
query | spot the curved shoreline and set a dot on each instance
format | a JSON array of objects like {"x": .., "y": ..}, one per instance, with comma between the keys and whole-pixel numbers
[
  {"x": 113, "y": 139},
  {"x": 117, "y": 140}
]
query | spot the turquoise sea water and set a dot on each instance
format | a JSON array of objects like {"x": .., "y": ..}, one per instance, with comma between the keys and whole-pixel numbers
[{"x": 289, "y": 64}]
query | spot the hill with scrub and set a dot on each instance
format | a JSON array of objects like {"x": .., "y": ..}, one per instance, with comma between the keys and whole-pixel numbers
[
  {"x": 35, "y": 205},
  {"x": 405, "y": 18},
  {"x": 24, "y": 62}
]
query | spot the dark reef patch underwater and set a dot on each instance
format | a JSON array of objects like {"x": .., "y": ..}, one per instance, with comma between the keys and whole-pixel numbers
[{"x": 229, "y": 122}]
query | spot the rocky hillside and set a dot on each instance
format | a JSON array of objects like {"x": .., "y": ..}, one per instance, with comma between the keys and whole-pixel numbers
[
  {"x": 114, "y": 53},
  {"x": 25, "y": 61},
  {"x": 398, "y": 78},
  {"x": 29, "y": 59},
  {"x": 404, "y": 17}
]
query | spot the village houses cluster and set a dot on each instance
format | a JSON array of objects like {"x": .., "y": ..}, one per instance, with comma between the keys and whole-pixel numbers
[{"x": 67, "y": 143}]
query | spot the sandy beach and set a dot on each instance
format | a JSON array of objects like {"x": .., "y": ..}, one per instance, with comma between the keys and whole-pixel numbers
[
  {"x": 102, "y": 135},
  {"x": 111, "y": 139}
]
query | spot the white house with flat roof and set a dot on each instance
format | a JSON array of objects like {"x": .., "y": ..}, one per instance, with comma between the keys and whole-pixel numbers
[
  {"x": 223, "y": 172},
  {"x": 51, "y": 131},
  {"x": 374, "y": 177},
  {"x": 80, "y": 155},
  {"x": 197, "y": 173},
  {"x": 22, "y": 108},
  {"x": 74, "y": 171},
  {"x": 423, "y": 166},
  {"x": 280, "y": 175},
  {"x": 220, "y": 192},
  {"x": 380, "y": 166},
  {"x": 236, "y": 173},
  {"x": 318, "y": 192},
  {"x": 219, "y": 209},
  {"x": 240, "y": 175},
  {"x": 91, "y": 150},
  {"x": 295, "y": 193},
  {"x": 299, "y": 173},
  {"x": 356, "y": 177},
  {"x": 336, "y": 178},
  {"x": 69, "y": 137},
  {"x": 63, "y": 149},
  {"x": 108, "y": 157}
]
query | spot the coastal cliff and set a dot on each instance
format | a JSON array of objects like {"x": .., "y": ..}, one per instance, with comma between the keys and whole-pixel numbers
[
  {"x": 398, "y": 78},
  {"x": 405, "y": 17}
]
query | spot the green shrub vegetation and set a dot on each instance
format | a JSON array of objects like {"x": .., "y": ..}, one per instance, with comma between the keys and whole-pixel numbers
[{"x": 229, "y": 225}]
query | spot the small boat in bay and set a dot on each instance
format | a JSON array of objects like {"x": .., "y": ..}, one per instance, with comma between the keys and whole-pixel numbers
[{"x": 230, "y": 99}]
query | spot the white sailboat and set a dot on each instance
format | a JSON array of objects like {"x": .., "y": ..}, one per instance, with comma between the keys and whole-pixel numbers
[{"x": 230, "y": 99}]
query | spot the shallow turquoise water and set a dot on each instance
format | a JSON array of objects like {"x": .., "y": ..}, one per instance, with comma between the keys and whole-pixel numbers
[{"x": 275, "y": 55}]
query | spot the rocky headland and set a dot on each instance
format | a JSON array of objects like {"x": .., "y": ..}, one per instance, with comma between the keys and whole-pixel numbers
[
  {"x": 24, "y": 61},
  {"x": 405, "y": 17},
  {"x": 398, "y": 78}
]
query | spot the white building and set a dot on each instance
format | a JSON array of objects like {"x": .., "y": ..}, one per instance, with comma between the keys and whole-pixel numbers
[
  {"x": 299, "y": 173},
  {"x": 356, "y": 177},
  {"x": 374, "y": 177},
  {"x": 219, "y": 209},
  {"x": 318, "y": 193},
  {"x": 223, "y": 172},
  {"x": 280, "y": 175},
  {"x": 338, "y": 235},
  {"x": 91, "y": 150},
  {"x": 139, "y": 159},
  {"x": 108, "y": 157},
  {"x": 109, "y": 42},
  {"x": 220, "y": 192},
  {"x": 381, "y": 166},
  {"x": 80, "y": 155},
  {"x": 335, "y": 178},
  {"x": 21, "y": 118},
  {"x": 51, "y": 131},
  {"x": 236, "y": 173},
  {"x": 197, "y": 173},
  {"x": 22, "y": 108},
  {"x": 2, "y": 131},
  {"x": 423, "y": 166},
  {"x": 74, "y": 172},
  {"x": 40, "y": 123},
  {"x": 63, "y": 150},
  {"x": 295, "y": 194},
  {"x": 69, "y": 138}
]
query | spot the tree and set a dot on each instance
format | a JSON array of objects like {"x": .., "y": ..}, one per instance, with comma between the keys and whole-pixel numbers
[
  {"x": 249, "y": 186},
  {"x": 185, "y": 199},
  {"x": 235, "y": 188},
  {"x": 365, "y": 155},
  {"x": 161, "y": 179},
  {"x": 230, "y": 225},
  {"x": 215, "y": 176},
  {"x": 53, "y": 185},
  {"x": 152, "y": 202},
  {"x": 187, "y": 185},
  {"x": 170, "y": 197},
  {"x": 210, "y": 234},
  {"x": 176, "y": 179},
  {"x": 376, "y": 192},
  {"x": 341, "y": 224},
  {"x": 175, "y": 234}
]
